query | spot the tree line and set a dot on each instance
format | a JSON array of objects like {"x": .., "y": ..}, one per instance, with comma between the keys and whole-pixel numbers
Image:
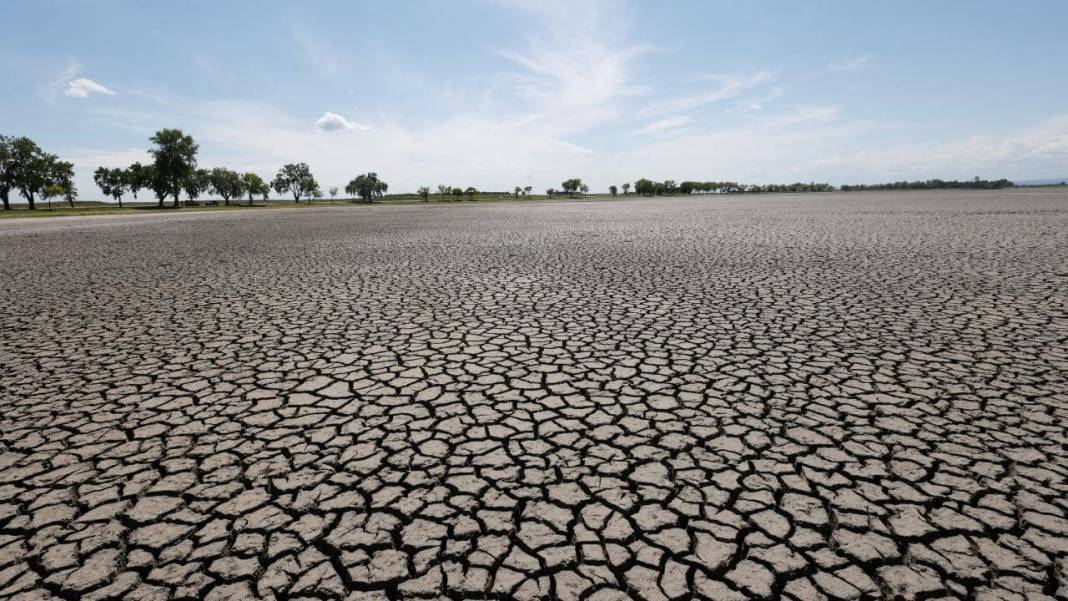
[
  {"x": 35, "y": 174},
  {"x": 174, "y": 171},
  {"x": 934, "y": 184}
]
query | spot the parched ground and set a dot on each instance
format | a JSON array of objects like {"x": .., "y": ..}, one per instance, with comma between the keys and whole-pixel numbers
[{"x": 822, "y": 396}]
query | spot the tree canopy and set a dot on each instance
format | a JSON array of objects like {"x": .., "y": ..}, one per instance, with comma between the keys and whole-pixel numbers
[
  {"x": 255, "y": 186},
  {"x": 112, "y": 182},
  {"x": 295, "y": 179},
  {"x": 175, "y": 159},
  {"x": 226, "y": 183},
  {"x": 571, "y": 186},
  {"x": 367, "y": 187}
]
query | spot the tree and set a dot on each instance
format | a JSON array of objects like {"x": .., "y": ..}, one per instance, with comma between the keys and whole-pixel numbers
[
  {"x": 63, "y": 176},
  {"x": 226, "y": 183},
  {"x": 254, "y": 186},
  {"x": 102, "y": 177},
  {"x": 138, "y": 177},
  {"x": 198, "y": 182},
  {"x": 458, "y": 193},
  {"x": 51, "y": 191},
  {"x": 175, "y": 157},
  {"x": 424, "y": 192},
  {"x": 626, "y": 188},
  {"x": 120, "y": 183},
  {"x": 471, "y": 191},
  {"x": 6, "y": 169},
  {"x": 549, "y": 192},
  {"x": 584, "y": 189},
  {"x": 333, "y": 192},
  {"x": 367, "y": 187},
  {"x": 444, "y": 191},
  {"x": 31, "y": 169},
  {"x": 644, "y": 187},
  {"x": 527, "y": 190},
  {"x": 295, "y": 179},
  {"x": 571, "y": 186},
  {"x": 517, "y": 190},
  {"x": 613, "y": 190}
]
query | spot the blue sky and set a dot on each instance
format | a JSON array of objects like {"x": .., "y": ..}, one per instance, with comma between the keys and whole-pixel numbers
[{"x": 503, "y": 93}]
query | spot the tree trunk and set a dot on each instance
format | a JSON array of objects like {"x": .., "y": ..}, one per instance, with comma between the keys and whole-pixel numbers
[
  {"x": 3, "y": 197},
  {"x": 33, "y": 204},
  {"x": 120, "y": 202}
]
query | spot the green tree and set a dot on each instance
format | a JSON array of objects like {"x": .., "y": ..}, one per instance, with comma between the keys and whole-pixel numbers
[
  {"x": 175, "y": 157},
  {"x": 626, "y": 188},
  {"x": 63, "y": 176},
  {"x": 584, "y": 189},
  {"x": 527, "y": 190},
  {"x": 30, "y": 169},
  {"x": 6, "y": 169},
  {"x": 138, "y": 177},
  {"x": 295, "y": 179},
  {"x": 367, "y": 187},
  {"x": 102, "y": 178},
  {"x": 51, "y": 191},
  {"x": 333, "y": 192},
  {"x": 112, "y": 182},
  {"x": 424, "y": 193},
  {"x": 518, "y": 190},
  {"x": 226, "y": 183},
  {"x": 471, "y": 191},
  {"x": 571, "y": 186},
  {"x": 255, "y": 186},
  {"x": 458, "y": 193},
  {"x": 644, "y": 187},
  {"x": 198, "y": 182},
  {"x": 613, "y": 190}
]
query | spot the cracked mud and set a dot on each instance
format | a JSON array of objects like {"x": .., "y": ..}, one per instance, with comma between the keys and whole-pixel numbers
[{"x": 806, "y": 397}]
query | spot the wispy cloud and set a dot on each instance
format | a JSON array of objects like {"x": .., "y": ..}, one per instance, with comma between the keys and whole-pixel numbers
[
  {"x": 855, "y": 63},
  {"x": 573, "y": 81},
  {"x": 671, "y": 123},
  {"x": 335, "y": 122},
  {"x": 321, "y": 55},
  {"x": 83, "y": 87},
  {"x": 729, "y": 86},
  {"x": 1036, "y": 151}
]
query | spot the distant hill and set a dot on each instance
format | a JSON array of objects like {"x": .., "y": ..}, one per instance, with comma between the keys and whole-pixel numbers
[{"x": 1053, "y": 181}]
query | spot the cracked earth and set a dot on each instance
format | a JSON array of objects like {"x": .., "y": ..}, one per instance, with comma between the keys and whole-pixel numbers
[{"x": 803, "y": 397}]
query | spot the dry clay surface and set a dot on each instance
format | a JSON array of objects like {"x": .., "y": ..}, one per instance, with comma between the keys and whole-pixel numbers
[{"x": 805, "y": 397}]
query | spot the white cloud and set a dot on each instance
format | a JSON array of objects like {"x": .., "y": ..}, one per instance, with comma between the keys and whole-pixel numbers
[
  {"x": 565, "y": 105},
  {"x": 855, "y": 63},
  {"x": 729, "y": 87},
  {"x": 335, "y": 122},
  {"x": 572, "y": 82},
  {"x": 1033, "y": 152},
  {"x": 662, "y": 125},
  {"x": 83, "y": 87}
]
